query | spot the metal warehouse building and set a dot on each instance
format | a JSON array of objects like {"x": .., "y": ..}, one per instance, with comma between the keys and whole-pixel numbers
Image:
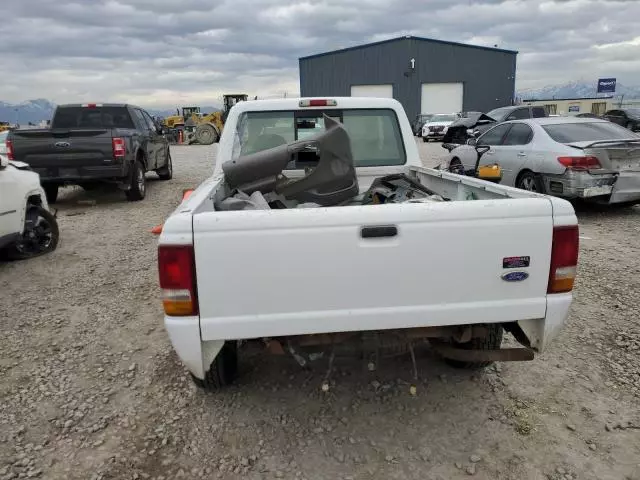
[{"x": 425, "y": 75}]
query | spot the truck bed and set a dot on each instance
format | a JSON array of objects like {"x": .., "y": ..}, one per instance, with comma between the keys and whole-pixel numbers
[{"x": 304, "y": 271}]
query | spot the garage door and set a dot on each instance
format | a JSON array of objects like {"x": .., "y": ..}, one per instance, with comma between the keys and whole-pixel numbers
[
  {"x": 380, "y": 91},
  {"x": 441, "y": 98}
]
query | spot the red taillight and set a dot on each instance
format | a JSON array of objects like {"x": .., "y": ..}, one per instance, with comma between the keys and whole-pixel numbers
[
  {"x": 580, "y": 163},
  {"x": 119, "y": 149},
  {"x": 564, "y": 259},
  {"x": 91, "y": 105},
  {"x": 9, "y": 145},
  {"x": 178, "y": 280},
  {"x": 318, "y": 102},
  {"x": 186, "y": 193}
]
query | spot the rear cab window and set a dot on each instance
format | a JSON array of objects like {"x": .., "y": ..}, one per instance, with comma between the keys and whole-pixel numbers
[
  {"x": 587, "y": 132},
  {"x": 376, "y": 139},
  {"x": 78, "y": 117}
]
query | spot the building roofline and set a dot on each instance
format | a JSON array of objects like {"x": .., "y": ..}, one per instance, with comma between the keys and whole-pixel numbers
[
  {"x": 407, "y": 37},
  {"x": 565, "y": 99}
]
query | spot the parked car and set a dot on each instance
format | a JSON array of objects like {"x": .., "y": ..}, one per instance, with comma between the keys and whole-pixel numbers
[
  {"x": 436, "y": 127},
  {"x": 93, "y": 143},
  {"x": 27, "y": 227},
  {"x": 565, "y": 156},
  {"x": 627, "y": 117},
  {"x": 476, "y": 123},
  {"x": 417, "y": 124},
  {"x": 306, "y": 282}
]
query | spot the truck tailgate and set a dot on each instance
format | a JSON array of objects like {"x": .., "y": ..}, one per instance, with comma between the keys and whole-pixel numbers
[
  {"x": 63, "y": 148},
  {"x": 285, "y": 272}
]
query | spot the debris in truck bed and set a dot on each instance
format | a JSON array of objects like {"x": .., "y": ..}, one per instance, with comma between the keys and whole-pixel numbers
[
  {"x": 398, "y": 188},
  {"x": 331, "y": 181},
  {"x": 242, "y": 201}
]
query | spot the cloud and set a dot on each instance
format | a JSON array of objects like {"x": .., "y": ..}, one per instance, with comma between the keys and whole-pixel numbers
[{"x": 166, "y": 52}]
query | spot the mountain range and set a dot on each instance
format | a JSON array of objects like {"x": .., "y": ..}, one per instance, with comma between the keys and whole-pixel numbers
[
  {"x": 35, "y": 111},
  {"x": 40, "y": 109}
]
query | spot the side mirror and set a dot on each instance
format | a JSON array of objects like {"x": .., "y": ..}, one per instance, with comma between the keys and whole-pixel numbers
[
  {"x": 4, "y": 161},
  {"x": 472, "y": 142}
]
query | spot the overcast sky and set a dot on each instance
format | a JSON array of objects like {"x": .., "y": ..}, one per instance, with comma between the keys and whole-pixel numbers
[{"x": 161, "y": 53}]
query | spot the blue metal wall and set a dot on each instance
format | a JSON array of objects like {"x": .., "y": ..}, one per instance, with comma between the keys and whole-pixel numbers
[{"x": 488, "y": 74}]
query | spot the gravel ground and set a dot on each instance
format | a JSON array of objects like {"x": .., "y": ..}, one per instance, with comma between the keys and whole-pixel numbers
[{"x": 91, "y": 388}]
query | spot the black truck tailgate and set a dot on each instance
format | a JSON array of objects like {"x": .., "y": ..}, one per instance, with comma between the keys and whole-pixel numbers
[{"x": 63, "y": 148}]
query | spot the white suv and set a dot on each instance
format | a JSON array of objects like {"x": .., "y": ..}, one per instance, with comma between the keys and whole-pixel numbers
[
  {"x": 437, "y": 126},
  {"x": 27, "y": 228}
]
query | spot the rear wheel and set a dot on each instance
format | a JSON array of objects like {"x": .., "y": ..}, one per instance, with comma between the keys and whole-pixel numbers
[
  {"x": 206, "y": 134},
  {"x": 51, "y": 192},
  {"x": 166, "y": 172},
  {"x": 529, "y": 181},
  {"x": 492, "y": 341},
  {"x": 40, "y": 234},
  {"x": 223, "y": 370},
  {"x": 138, "y": 188}
]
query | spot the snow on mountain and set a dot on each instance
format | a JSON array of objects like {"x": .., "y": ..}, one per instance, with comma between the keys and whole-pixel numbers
[
  {"x": 575, "y": 89},
  {"x": 33, "y": 111}
]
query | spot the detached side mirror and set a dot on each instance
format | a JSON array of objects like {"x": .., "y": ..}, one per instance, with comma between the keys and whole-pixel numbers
[
  {"x": 472, "y": 142},
  {"x": 4, "y": 161}
]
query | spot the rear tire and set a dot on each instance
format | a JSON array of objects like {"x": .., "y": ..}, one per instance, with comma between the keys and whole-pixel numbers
[
  {"x": 223, "y": 370},
  {"x": 138, "y": 188},
  {"x": 491, "y": 342},
  {"x": 527, "y": 180},
  {"x": 206, "y": 134},
  {"x": 51, "y": 192},
  {"x": 166, "y": 172}
]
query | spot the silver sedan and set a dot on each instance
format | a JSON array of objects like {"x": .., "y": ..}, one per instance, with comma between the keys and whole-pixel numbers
[{"x": 564, "y": 156}]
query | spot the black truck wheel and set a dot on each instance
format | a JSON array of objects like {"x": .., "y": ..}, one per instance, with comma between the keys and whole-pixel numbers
[
  {"x": 166, "y": 172},
  {"x": 40, "y": 234},
  {"x": 51, "y": 192},
  {"x": 138, "y": 187},
  {"x": 223, "y": 370},
  {"x": 492, "y": 341}
]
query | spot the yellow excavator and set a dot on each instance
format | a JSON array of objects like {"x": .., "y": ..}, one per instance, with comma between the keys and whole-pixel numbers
[{"x": 198, "y": 128}]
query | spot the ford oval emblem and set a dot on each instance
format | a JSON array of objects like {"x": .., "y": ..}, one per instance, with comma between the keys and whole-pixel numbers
[
  {"x": 515, "y": 276},
  {"x": 63, "y": 144}
]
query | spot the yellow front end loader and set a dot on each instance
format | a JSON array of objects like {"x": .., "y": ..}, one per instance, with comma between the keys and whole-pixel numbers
[{"x": 198, "y": 128}]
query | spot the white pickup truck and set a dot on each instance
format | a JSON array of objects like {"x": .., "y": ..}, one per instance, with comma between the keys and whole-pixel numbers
[{"x": 457, "y": 272}]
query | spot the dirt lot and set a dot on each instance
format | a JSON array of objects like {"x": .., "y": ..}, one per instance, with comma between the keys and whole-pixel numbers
[{"x": 91, "y": 388}]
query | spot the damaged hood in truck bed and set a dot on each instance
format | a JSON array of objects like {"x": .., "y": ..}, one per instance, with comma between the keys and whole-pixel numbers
[{"x": 331, "y": 181}]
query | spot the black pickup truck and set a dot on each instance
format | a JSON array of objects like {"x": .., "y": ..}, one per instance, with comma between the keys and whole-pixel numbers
[{"x": 92, "y": 143}]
